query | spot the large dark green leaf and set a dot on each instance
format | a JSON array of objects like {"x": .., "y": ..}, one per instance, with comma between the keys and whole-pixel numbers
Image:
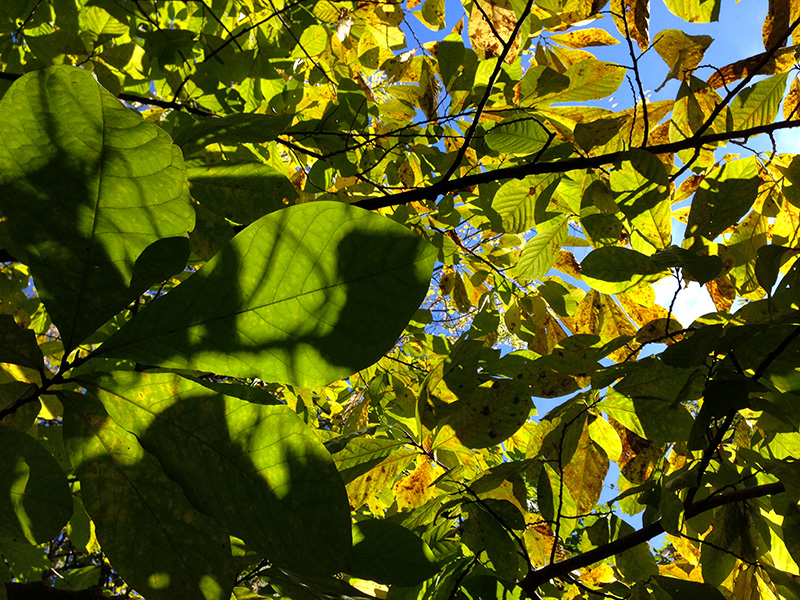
[
  {"x": 258, "y": 469},
  {"x": 152, "y": 535},
  {"x": 86, "y": 185},
  {"x": 492, "y": 414},
  {"x": 389, "y": 553},
  {"x": 35, "y": 501},
  {"x": 306, "y": 296}
]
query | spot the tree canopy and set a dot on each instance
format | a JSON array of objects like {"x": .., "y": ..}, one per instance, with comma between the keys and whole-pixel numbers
[{"x": 286, "y": 285}]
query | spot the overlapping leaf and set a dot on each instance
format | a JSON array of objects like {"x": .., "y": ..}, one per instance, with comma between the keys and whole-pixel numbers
[
  {"x": 176, "y": 551},
  {"x": 100, "y": 184},
  {"x": 257, "y": 469},
  {"x": 305, "y": 295}
]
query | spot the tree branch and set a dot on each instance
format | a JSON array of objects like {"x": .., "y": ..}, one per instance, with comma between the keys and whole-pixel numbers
[
  {"x": 470, "y": 133},
  {"x": 537, "y": 577},
  {"x": 561, "y": 166}
]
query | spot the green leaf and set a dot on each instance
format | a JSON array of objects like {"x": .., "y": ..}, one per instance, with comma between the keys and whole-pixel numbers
[
  {"x": 701, "y": 268},
  {"x": 517, "y": 136},
  {"x": 389, "y": 553},
  {"x": 637, "y": 563},
  {"x": 680, "y": 589},
  {"x": 768, "y": 265},
  {"x": 614, "y": 269},
  {"x": 724, "y": 196},
  {"x": 432, "y": 14},
  {"x": 238, "y": 128},
  {"x": 18, "y": 346},
  {"x": 589, "y": 80},
  {"x": 313, "y": 42},
  {"x": 554, "y": 498},
  {"x": 256, "y": 468},
  {"x": 540, "y": 81},
  {"x": 539, "y": 253},
  {"x": 483, "y": 532},
  {"x": 492, "y": 414},
  {"x": 517, "y": 200},
  {"x": 240, "y": 192},
  {"x": 306, "y": 295},
  {"x": 758, "y": 104},
  {"x": 35, "y": 501},
  {"x": 642, "y": 188},
  {"x": 101, "y": 185},
  {"x": 125, "y": 490}
]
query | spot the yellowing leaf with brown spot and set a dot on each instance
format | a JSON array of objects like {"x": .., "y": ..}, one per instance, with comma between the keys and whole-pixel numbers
[
  {"x": 637, "y": 14},
  {"x": 722, "y": 293},
  {"x": 584, "y": 38},
  {"x": 585, "y": 473},
  {"x": 539, "y": 540},
  {"x": 776, "y": 23},
  {"x": 459, "y": 294},
  {"x": 598, "y": 314},
  {"x": 640, "y": 305},
  {"x": 639, "y": 455},
  {"x": 658, "y": 330},
  {"x": 792, "y": 100},
  {"x": 686, "y": 548},
  {"x": 547, "y": 336},
  {"x": 567, "y": 264},
  {"x": 783, "y": 60},
  {"x": 503, "y": 19},
  {"x": 367, "y": 488},
  {"x": 415, "y": 490}
]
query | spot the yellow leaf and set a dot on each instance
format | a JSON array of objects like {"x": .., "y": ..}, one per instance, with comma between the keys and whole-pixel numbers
[
  {"x": 681, "y": 52},
  {"x": 686, "y": 548},
  {"x": 415, "y": 490},
  {"x": 602, "y": 573},
  {"x": 584, "y": 38},
  {"x": 782, "y": 61},
  {"x": 722, "y": 293},
  {"x": 567, "y": 264}
]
